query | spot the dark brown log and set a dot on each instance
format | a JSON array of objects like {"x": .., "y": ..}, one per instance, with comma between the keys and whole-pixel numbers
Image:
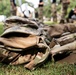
[
  {"x": 58, "y": 30},
  {"x": 69, "y": 58}
]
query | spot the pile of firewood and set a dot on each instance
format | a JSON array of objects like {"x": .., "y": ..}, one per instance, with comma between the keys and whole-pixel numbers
[{"x": 29, "y": 42}]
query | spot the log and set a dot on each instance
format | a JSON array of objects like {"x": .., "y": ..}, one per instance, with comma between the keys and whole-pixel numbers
[
  {"x": 66, "y": 39},
  {"x": 67, "y": 47},
  {"x": 57, "y": 30}
]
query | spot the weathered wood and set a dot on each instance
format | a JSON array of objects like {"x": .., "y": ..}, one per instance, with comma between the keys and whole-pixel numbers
[
  {"x": 20, "y": 20},
  {"x": 20, "y": 42},
  {"x": 66, "y": 39},
  {"x": 58, "y": 30},
  {"x": 67, "y": 47}
]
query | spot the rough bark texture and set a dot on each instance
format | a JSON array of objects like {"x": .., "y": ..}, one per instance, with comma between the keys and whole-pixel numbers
[{"x": 32, "y": 42}]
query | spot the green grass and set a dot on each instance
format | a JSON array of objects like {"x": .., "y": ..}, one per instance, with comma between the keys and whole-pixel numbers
[
  {"x": 49, "y": 23},
  {"x": 1, "y": 27},
  {"x": 48, "y": 68}
]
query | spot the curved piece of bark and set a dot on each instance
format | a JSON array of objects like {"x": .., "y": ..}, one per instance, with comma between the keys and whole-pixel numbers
[
  {"x": 40, "y": 58},
  {"x": 20, "y": 20},
  {"x": 23, "y": 30},
  {"x": 20, "y": 42}
]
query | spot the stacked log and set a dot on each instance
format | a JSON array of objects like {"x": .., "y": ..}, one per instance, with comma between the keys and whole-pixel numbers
[{"x": 30, "y": 42}]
